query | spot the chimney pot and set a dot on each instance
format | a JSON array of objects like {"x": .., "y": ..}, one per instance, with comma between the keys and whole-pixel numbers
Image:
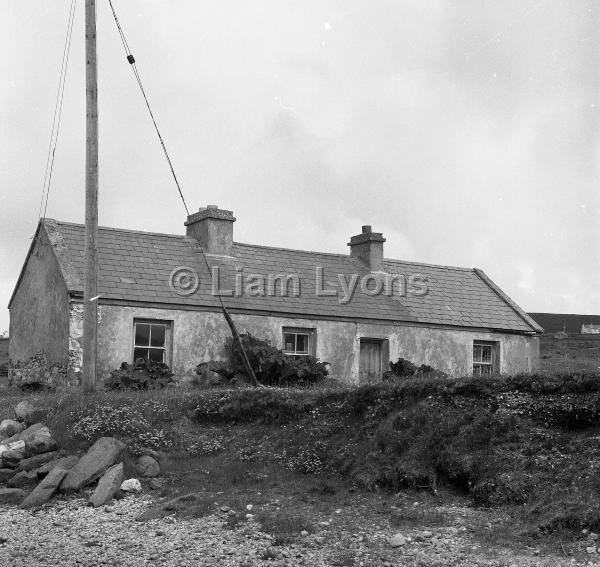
[{"x": 366, "y": 229}]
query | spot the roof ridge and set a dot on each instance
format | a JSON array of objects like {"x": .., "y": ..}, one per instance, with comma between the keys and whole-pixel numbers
[
  {"x": 129, "y": 230},
  {"x": 266, "y": 247},
  {"x": 440, "y": 266}
]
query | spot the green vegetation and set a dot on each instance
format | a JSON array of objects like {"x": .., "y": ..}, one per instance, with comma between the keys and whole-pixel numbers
[
  {"x": 528, "y": 441},
  {"x": 143, "y": 374},
  {"x": 270, "y": 365}
]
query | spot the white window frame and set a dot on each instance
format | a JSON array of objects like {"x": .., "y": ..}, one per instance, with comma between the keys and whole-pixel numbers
[
  {"x": 310, "y": 344},
  {"x": 166, "y": 348},
  {"x": 484, "y": 365}
]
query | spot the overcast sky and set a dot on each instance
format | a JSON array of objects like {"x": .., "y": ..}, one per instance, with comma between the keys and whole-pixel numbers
[{"x": 465, "y": 131}]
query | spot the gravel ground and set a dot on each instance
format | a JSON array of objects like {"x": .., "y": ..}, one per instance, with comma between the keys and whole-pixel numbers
[{"x": 71, "y": 533}]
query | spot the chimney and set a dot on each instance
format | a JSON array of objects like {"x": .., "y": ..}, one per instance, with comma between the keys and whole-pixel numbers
[
  {"x": 368, "y": 248},
  {"x": 213, "y": 229}
]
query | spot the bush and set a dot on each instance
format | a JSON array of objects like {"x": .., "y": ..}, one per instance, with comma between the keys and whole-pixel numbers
[
  {"x": 143, "y": 374},
  {"x": 403, "y": 368},
  {"x": 247, "y": 406},
  {"x": 270, "y": 365}
]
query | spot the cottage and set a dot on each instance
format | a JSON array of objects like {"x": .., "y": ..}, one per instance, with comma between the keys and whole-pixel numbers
[
  {"x": 590, "y": 329},
  {"x": 159, "y": 298}
]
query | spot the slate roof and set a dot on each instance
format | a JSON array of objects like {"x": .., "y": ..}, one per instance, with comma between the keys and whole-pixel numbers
[{"x": 136, "y": 266}]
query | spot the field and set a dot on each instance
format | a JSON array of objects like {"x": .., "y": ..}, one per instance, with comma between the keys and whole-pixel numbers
[{"x": 573, "y": 353}]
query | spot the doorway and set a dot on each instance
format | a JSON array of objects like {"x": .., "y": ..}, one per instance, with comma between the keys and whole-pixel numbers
[{"x": 371, "y": 359}]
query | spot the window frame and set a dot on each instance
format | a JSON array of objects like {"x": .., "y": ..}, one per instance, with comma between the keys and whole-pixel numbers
[
  {"x": 479, "y": 365},
  {"x": 167, "y": 345},
  {"x": 311, "y": 335}
]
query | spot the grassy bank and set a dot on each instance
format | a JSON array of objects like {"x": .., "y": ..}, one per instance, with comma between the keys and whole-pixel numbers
[{"x": 525, "y": 442}]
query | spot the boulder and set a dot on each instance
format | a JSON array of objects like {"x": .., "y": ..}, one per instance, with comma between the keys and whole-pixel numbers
[
  {"x": 11, "y": 446},
  {"x": 24, "y": 434},
  {"x": 40, "y": 441},
  {"x": 102, "y": 454},
  {"x": 10, "y": 459},
  {"x": 26, "y": 412},
  {"x": 10, "y": 427},
  {"x": 66, "y": 463},
  {"x": 6, "y": 474},
  {"x": 37, "y": 461},
  {"x": 22, "y": 479},
  {"x": 131, "y": 485},
  {"x": 11, "y": 495},
  {"x": 147, "y": 466},
  {"x": 45, "y": 489},
  {"x": 108, "y": 485}
]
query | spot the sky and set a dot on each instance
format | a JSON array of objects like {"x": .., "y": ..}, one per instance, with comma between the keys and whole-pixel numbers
[{"x": 465, "y": 131}]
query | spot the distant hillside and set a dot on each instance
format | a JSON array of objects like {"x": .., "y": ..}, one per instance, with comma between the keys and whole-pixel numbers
[{"x": 552, "y": 322}]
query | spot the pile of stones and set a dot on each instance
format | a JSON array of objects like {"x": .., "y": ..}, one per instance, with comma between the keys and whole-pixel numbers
[{"x": 33, "y": 467}]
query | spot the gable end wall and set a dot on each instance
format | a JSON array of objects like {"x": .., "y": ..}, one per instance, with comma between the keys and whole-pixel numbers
[{"x": 39, "y": 318}]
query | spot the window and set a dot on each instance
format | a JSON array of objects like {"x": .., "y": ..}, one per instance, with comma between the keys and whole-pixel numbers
[
  {"x": 298, "y": 342},
  {"x": 485, "y": 358},
  {"x": 151, "y": 340}
]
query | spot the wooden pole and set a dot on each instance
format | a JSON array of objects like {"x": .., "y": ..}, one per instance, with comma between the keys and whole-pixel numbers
[{"x": 90, "y": 285}]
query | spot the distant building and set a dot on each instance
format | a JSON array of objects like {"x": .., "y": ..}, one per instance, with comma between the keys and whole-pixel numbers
[{"x": 590, "y": 329}]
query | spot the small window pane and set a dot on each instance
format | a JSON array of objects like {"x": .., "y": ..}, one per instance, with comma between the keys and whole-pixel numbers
[
  {"x": 156, "y": 354},
  {"x": 476, "y": 353},
  {"x": 157, "y": 336},
  {"x": 486, "y": 353},
  {"x": 142, "y": 334},
  {"x": 140, "y": 353},
  {"x": 302, "y": 344},
  {"x": 288, "y": 340}
]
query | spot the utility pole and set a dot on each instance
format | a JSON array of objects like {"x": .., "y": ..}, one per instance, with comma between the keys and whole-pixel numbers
[{"x": 90, "y": 274}]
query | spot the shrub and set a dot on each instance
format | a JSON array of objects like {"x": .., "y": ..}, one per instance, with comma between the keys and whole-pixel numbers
[
  {"x": 270, "y": 365},
  {"x": 403, "y": 368},
  {"x": 143, "y": 374},
  {"x": 247, "y": 406}
]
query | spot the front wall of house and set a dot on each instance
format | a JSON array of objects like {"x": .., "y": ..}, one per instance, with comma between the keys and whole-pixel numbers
[
  {"x": 199, "y": 337},
  {"x": 39, "y": 319}
]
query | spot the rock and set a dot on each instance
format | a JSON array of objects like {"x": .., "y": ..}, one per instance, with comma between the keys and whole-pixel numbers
[
  {"x": 66, "y": 463},
  {"x": 108, "y": 485},
  {"x": 131, "y": 485},
  {"x": 590, "y": 550},
  {"x": 102, "y": 454},
  {"x": 11, "y": 495},
  {"x": 10, "y": 427},
  {"x": 22, "y": 479},
  {"x": 147, "y": 466},
  {"x": 304, "y": 533},
  {"x": 397, "y": 541},
  {"x": 225, "y": 509},
  {"x": 45, "y": 489},
  {"x": 26, "y": 412},
  {"x": 6, "y": 474},
  {"x": 37, "y": 461},
  {"x": 40, "y": 441},
  {"x": 155, "y": 483},
  {"x": 11, "y": 446},
  {"x": 23, "y": 435},
  {"x": 12, "y": 458}
]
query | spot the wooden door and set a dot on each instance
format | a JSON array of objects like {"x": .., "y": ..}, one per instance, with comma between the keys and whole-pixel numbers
[{"x": 370, "y": 361}]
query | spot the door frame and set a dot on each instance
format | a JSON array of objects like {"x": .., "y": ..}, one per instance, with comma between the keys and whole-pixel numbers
[{"x": 385, "y": 353}]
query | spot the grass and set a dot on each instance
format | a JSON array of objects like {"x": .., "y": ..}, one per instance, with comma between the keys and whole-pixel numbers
[{"x": 574, "y": 353}]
